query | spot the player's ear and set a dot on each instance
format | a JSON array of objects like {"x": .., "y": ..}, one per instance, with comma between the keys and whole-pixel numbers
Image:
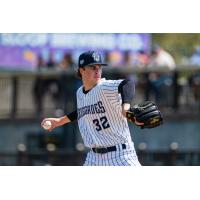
[
  {"x": 80, "y": 72},
  {"x": 81, "y": 69}
]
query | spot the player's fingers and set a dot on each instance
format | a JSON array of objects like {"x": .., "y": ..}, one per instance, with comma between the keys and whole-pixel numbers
[
  {"x": 131, "y": 120},
  {"x": 138, "y": 123},
  {"x": 43, "y": 121},
  {"x": 53, "y": 125}
]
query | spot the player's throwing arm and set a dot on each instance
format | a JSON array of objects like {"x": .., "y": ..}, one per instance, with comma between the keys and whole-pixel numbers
[{"x": 50, "y": 123}]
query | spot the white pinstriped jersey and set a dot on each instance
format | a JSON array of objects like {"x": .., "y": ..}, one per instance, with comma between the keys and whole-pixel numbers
[{"x": 100, "y": 118}]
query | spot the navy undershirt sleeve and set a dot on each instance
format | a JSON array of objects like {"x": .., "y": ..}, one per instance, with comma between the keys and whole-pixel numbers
[
  {"x": 73, "y": 116},
  {"x": 127, "y": 90}
]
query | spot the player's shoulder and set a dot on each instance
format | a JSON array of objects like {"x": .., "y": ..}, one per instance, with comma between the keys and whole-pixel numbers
[
  {"x": 80, "y": 89},
  {"x": 110, "y": 85},
  {"x": 105, "y": 82}
]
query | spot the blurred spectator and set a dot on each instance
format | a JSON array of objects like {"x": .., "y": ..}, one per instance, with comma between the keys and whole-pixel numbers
[
  {"x": 194, "y": 79},
  {"x": 40, "y": 63},
  {"x": 195, "y": 58},
  {"x": 140, "y": 59},
  {"x": 160, "y": 57},
  {"x": 107, "y": 57},
  {"x": 128, "y": 62},
  {"x": 42, "y": 85},
  {"x": 52, "y": 85},
  {"x": 191, "y": 81},
  {"x": 66, "y": 62},
  {"x": 128, "y": 59},
  {"x": 38, "y": 86},
  {"x": 51, "y": 64},
  {"x": 68, "y": 83},
  {"x": 194, "y": 82},
  {"x": 115, "y": 58},
  {"x": 159, "y": 83}
]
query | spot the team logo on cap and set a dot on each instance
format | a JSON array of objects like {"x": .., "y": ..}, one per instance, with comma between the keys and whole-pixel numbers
[
  {"x": 96, "y": 56},
  {"x": 81, "y": 61}
]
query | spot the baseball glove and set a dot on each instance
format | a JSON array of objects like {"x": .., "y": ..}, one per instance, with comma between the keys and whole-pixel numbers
[{"x": 145, "y": 115}]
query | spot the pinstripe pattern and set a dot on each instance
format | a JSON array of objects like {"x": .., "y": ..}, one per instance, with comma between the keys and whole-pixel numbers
[{"x": 102, "y": 124}]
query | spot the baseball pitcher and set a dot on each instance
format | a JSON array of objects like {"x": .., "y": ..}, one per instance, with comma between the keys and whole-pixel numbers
[{"x": 103, "y": 107}]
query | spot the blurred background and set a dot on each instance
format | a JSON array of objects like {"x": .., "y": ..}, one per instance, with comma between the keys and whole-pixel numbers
[{"x": 37, "y": 80}]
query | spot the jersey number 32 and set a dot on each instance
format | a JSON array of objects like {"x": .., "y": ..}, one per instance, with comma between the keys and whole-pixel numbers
[{"x": 101, "y": 124}]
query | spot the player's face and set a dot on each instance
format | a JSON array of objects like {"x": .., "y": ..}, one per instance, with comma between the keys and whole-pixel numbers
[{"x": 92, "y": 73}]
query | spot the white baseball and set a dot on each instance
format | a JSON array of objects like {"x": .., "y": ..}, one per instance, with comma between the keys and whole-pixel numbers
[{"x": 47, "y": 125}]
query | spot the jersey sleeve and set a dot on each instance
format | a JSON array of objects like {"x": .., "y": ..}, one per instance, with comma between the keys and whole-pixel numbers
[
  {"x": 110, "y": 90},
  {"x": 111, "y": 86},
  {"x": 127, "y": 90},
  {"x": 73, "y": 116}
]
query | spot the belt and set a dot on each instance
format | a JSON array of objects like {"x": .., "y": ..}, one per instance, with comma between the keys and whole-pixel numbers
[{"x": 107, "y": 149}]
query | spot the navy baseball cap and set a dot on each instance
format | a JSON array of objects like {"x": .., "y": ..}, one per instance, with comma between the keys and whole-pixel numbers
[{"x": 90, "y": 58}]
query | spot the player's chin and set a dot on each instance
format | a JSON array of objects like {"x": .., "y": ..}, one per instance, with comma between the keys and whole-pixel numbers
[
  {"x": 97, "y": 76},
  {"x": 96, "y": 79}
]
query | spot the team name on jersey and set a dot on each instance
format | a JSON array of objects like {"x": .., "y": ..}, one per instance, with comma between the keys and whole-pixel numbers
[{"x": 91, "y": 109}]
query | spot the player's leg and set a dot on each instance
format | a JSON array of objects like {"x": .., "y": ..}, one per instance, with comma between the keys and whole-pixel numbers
[
  {"x": 123, "y": 157},
  {"x": 129, "y": 158},
  {"x": 126, "y": 161},
  {"x": 130, "y": 161},
  {"x": 91, "y": 159}
]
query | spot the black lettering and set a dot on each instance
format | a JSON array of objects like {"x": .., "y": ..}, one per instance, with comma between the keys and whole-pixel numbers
[
  {"x": 93, "y": 109},
  {"x": 83, "y": 111},
  {"x": 97, "y": 108},
  {"x": 101, "y": 107},
  {"x": 88, "y": 110}
]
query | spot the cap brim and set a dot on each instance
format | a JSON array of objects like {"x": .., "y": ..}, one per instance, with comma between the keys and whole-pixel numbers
[{"x": 103, "y": 64}]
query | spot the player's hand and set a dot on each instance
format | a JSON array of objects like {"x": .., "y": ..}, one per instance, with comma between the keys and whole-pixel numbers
[
  {"x": 54, "y": 123},
  {"x": 145, "y": 115},
  {"x": 125, "y": 108}
]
